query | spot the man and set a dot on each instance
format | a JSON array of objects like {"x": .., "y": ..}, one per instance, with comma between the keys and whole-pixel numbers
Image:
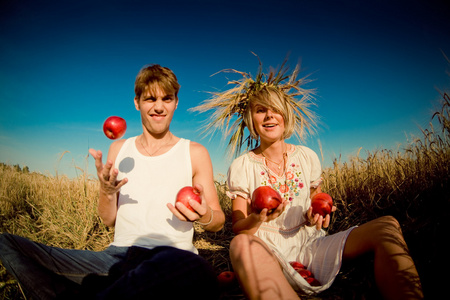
[{"x": 152, "y": 254}]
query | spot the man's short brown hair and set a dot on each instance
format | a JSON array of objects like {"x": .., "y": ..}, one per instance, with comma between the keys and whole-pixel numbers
[{"x": 155, "y": 74}]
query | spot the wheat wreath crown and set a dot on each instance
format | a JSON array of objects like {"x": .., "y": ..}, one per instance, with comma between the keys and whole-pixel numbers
[{"x": 228, "y": 107}]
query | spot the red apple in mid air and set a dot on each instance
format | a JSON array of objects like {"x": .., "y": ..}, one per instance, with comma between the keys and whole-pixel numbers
[
  {"x": 322, "y": 203},
  {"x": 114, "y": 127},
  {"x": 265, "y": 197},
  {"x": 188, "y": 193}
]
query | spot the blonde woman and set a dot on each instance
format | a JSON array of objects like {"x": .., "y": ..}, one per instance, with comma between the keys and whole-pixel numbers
[{"x": 272, "y": 108}]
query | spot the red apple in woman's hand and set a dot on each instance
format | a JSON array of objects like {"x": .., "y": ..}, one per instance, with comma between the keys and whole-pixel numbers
[
  {"x": 188, "y": 193},
  {"x": 322, "y": 203},
  {"x": 114, "y": 127},
  {"x": 265, "y": 197}
]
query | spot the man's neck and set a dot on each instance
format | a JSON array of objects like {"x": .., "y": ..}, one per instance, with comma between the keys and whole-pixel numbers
[{"x": 152, "y": 145}]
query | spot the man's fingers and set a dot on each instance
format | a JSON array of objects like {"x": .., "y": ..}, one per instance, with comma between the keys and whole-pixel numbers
[
  {"x": 122, "y": 183},
  {"x": 199, "y": 208},
  {"x": 93, "y": 153},
  {"x": 112, "y": 176},
  {"x": 186, "y": 212},
  {"x": 106, "y": 171},
  {"x": 97, "y": 155},
  {"x": 176, "y": 212}
]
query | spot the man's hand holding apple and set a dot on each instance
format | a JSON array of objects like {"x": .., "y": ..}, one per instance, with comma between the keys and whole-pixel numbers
[{"x": 190, "y": 205}]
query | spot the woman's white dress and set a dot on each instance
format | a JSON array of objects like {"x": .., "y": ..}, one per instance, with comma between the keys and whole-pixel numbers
[{"x": 288, "y": 236}]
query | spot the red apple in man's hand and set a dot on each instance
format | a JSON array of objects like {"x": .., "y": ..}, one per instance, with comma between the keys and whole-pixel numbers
[
  {"x": 188, "y": 193},
  {"x": 265, "y": 197},
  {"x": 114, "y": 127},
  {"x": 322, "y": 203}
]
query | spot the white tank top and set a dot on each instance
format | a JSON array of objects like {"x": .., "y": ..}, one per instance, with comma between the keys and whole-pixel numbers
[{"x": 143, "y": 218}]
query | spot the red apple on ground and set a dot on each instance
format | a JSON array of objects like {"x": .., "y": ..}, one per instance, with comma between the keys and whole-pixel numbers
[
  {"x": 322, "y": 203},
  {"x": 114, "y": 127},
  {"x": 188, "y": 193},
  {"x": 226, "y": 278},
  {"x": 265, "y": 197}
]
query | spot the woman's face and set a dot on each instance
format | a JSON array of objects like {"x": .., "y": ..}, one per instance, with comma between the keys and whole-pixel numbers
[{"x": 267, "y": 123}]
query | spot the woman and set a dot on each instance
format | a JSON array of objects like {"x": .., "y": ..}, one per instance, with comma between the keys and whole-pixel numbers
[{"x": 266, "y": 244}]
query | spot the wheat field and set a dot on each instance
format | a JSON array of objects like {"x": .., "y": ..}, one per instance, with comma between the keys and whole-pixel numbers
[{"x": 411, "y": 184}]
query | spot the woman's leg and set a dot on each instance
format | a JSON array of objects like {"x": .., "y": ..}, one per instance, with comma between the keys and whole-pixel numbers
[
  {"x": 395, "y": 273},
  {"x": 258, "y": 270}
]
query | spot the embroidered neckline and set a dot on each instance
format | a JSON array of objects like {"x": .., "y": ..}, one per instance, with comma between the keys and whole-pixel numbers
[{"x": 261, "y": 160}]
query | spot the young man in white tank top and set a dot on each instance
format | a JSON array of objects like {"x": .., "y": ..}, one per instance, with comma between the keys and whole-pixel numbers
[{"x": 152, "y": 255}]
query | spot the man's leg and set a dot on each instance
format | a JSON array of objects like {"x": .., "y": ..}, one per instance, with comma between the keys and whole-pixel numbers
[
  {"x": 46, "y": 272},
  {"x": 162, "y": 273}
]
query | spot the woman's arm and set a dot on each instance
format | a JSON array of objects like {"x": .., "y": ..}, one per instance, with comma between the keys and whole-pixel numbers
[{"x": 243, "y": 222}]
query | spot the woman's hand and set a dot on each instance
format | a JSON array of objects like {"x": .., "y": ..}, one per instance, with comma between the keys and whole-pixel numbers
[
  {"x": 318, "y": 220},
  {"x": 264, "y": 217}
]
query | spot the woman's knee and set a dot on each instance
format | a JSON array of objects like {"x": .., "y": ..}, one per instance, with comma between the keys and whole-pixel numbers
[
  {"x": 243, "y": 245},
  {"x": 387, "y": 226},
  {"x": 237, "y": 244},
  {"x": 388, "y": 221},
  {"x": 373, "y": 234},
  {"x": 239, "y": 240},
  {"x": 244, "y": 241}
]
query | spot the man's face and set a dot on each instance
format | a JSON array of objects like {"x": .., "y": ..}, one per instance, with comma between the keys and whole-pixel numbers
[{"x": 157, "y": 108}]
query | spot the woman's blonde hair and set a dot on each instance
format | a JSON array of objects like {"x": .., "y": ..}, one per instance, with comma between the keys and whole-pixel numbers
[
  {"x": 276, "y": 90},
  {"x": 272, "y": 98}
]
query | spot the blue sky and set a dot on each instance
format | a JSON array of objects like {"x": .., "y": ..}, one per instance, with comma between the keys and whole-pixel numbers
[{"x": 65, "y": 66}]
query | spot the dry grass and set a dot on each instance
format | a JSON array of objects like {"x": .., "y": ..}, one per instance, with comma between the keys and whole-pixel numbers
[
  {"x": 53, "y": 210},
  {"x": 411, "y": 184}
]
